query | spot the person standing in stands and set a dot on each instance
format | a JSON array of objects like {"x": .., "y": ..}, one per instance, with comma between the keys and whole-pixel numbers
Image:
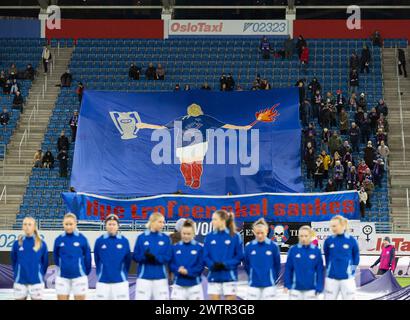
[
  {"x": 18, "y": 102},
  {"x": 265, "y": 48},
  {"x": 387, "y": 258},
  {"x": 304, "y": 58},
  {"x": 63, "y": 142},
  {"x": 160, "y": 72},
  {"x": 4, "y": 117},
  {"x": 353, "y": 81},
  {"x": 354, "y": 61},
  {"x": 151, "y": 72},
  {"x": 363, "y": 200},
  {"x": 289, "y": 47},
  {"x": 29, "y": 72},
  {"x": 301, "y": 42},
  {"x": 402, "y": 62},
  {"x": 73, "y": 125},
  {"x": 66, "y": 79},
  {"x": 230, "y": 82},
  {"x": 46, "y": 55},
  {"x": 79, "y": 91},
  {"x": 365, "y": 59},
  {"x": 134, "y": 72},
  {"x": 62, "y": 158}
]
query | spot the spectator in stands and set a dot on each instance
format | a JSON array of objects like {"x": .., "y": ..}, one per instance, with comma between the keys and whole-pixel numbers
[
  {"x": 377, "y": 39},
  {"x": 340, "y": 101},
  {"x": 365, "y": 59},
  {"x": 316, "y": 104},
  {"x": 351, "y": 178},
  {"x": 14, "y": 87},
  {"x": 265, "y": 85},
  {"x": 3, "y": 79},
  {"x": 310, "y": 162},
  {"x": 160, "y": 72},
  {"x": 361, "y": 170},
  {"x": 46, "y": 55},
  {"x": 222, "y": 81},
  {"x": 354, "y": 61},
  {"x": 338, "y": 175},
  {"x": 289, "y": 47},
  {"x": 319, "y": 172},
  {"x": 62, "y": 142},
  {"x": 304, "y": 59},
  {"x": 383, "y": 151},
  {"x": 365, "y": 128},
  {"x": 301, "y": 42},
  {"x": 48, "y": 160},
  {"x": 63, "y": 160},
  {"x": 80, "y": 91},
  {"x": 306, "y": 112},
  {"x": 151, "y": 72},
  {"x": 326, "y": 134},
  {"x": 362, "y": 102},
  {"x": 265, "y": 48},
  {"x": 369, "y": 154},
  {"x": 66, "y": 79},
  {"x": 134, "y": 72},
  {"x": 330, "y": 187},
  {"x": 335, "y": 142},
  {"x": 343, "y": 122},
  {"x": 187, "y": 87},
  {"x": 177, "y": 87},
  {"x": 353, "y": 81},
  {"x": 224, "y": 87},
  {"x": 230, "y": 82},
  {"x": 382, "y": 123},
  {"x": 352, "y": 103},
  {"x": 402, "y": 62},
  {"x": 378, "y": 171},
  {"x": 206, "y": 86},
  {"x": 38, "y": 156},
  {"x": 363, "y": 199},
  {"x": 373, "y": 117},
  {"x": 369, "y": 188},
  {"x": 18, "y": 102},
  {"x": 73, "y": 125},
  {"x": 4, "y": 117},
  {"x": 29, "y": 72},
  {"x": 345, "y": 148},
  {"x": 326, "y": 163},
  {"x": 354, "y": 135},
  {"x": 314, "y": 86},
  {"x": 7, "y": 87},
  {"x": 13, "y": 71},
  {"x": 381, "y": 136},
  {"x": 382, "y": 108}
]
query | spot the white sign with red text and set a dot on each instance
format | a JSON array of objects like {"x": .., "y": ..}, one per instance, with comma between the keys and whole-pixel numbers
[{"x": 227, "y": 27}]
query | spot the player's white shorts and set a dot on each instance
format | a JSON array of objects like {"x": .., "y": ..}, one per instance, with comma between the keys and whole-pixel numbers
[
  {"x": 192, "y": 153},
  {"x": 187, "y": 293},
  {"x": 112, "y": 291},
  {"x": 77, "y": 286},
  {"x": 302, "y": 295},
  {"x": 346, "y": 287},
  {"x": 267, "y": 293},
  {"x": 22, "y": 291},
  {"x": 223, "y": 288},
  {"x": 152, "y": 289}
]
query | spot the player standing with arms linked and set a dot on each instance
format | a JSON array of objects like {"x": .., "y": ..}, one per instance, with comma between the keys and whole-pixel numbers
[
  {"x": 187, "y": 265},
  {"x": 304, "y": 272},
  {"x": 342, "y": 257},
  {"x": 152, "y": 252},
  {"x": 262, "y": 263},
  {"x": 112, "y": 257},
  {"x": 29, "y": 258},
  {"x": 223, "y": 252},
  {"x": 72, "y": 256}
]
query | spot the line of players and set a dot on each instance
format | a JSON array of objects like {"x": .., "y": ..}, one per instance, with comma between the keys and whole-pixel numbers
[{"x": 221, "y": 253}]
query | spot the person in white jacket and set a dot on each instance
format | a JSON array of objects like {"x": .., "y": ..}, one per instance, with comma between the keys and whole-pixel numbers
[
  {"x": 46, "y": 55},
  {"x": 384, "y": 152},
  {"x": 363, "y": 200}
]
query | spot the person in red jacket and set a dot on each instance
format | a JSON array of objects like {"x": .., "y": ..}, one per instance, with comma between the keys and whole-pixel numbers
[
  {"x": 304, "y": 58},
  {"x": 387, "y": 258}
]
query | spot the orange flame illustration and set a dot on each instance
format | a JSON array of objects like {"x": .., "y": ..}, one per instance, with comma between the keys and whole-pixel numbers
[{"x": 266, "y": 115}]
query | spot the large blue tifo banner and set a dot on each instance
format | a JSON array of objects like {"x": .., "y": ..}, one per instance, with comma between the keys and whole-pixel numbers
[
  {"x": 273, "y": 207},
  {"x": 195, "y": 142}
]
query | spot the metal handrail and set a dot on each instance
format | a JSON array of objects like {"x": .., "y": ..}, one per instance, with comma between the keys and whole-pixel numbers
[
  {"x": 32, "y": 115},
  {"x": 4, "y": 157},
  {"x": 4, "y": 194},
  {"x": 408, "y": 207},
  {"x": 23, "y": 138}
]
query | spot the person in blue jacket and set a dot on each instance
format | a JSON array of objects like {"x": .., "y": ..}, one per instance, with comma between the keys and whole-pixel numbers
[
  {"x": 72, "y": 256},
  {"x": 304, "y": 271},
  {"x": 223, "y": 252},
  {"x": 153, "y": 252},
  {"x": 187, "y": 265},
  {"x": 342, "y": 257},
  {"x": 29, "y": 258},
  {"x": 262, "y": 263},
  {"x": 112, "y": 257}
]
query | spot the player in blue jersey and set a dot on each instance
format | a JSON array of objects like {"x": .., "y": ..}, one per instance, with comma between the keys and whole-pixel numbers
[
  {"x": 262, "y": 263},
  {"x": 223, "y": 253},
  {"x": 192, "y": 153},
  {"x": 112, "y": 257},
  {"x": 153, "y": 252},
  {"x": 304, "y": 272},
  {"x": 29, "y": 258},
  {"x": 72, "y": 256},
  {"x": 342, "y": 257},
  {"x": 187, "y": 265}
]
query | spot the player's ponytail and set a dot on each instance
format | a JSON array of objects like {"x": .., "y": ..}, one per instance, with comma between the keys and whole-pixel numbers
[
  {"x": 37, "y": 240},
  {"x": 229, "y": 219}
]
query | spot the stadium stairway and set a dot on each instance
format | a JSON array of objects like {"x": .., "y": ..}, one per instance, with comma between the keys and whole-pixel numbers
[
  {"x": 397, "y": 97},
  {"x": 17, "y": 170}
]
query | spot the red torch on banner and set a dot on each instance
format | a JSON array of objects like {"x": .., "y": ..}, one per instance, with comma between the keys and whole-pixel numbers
[{"x": 267, "y": 115}]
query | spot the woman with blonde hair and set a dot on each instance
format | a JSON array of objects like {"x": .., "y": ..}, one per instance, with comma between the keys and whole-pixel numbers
[
  {"x": 152, "y": 253},
  {"x": 223, "y": 254},
  {"x": 191, "y": 154},
  {"x": 262, "y": 263},
  {"x": 72, "y": 256},
  {"x": 342, "y": 257},
  {"x": 29, "y": 258}
]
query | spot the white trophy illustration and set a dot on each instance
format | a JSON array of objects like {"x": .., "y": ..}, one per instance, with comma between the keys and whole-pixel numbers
[{"x": 126, "y": 123}]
